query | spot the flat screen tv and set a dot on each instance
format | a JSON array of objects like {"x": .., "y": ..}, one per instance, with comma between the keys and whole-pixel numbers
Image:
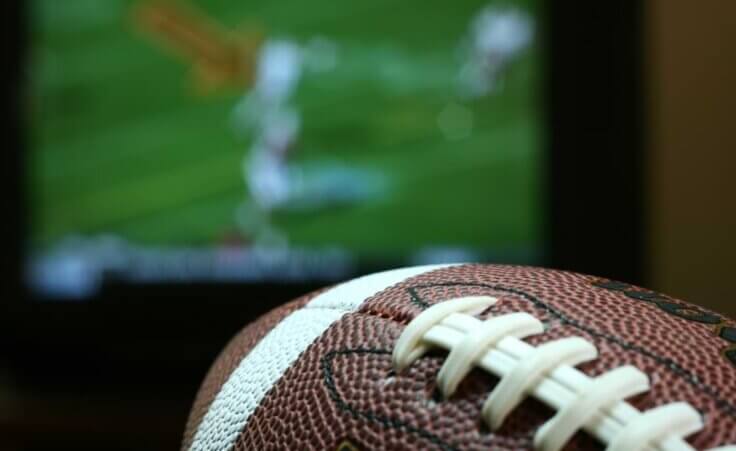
[{"x": 178, "y": 167}]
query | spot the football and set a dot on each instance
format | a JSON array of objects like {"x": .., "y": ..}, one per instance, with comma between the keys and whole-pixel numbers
[{"x": 454, "y": 357}]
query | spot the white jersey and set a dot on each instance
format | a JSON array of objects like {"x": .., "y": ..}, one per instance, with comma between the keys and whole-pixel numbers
[
  {"x": 501, "y": 33},
  {"x": 279, "y": 71},
  {"x": 497, "y": 36}
]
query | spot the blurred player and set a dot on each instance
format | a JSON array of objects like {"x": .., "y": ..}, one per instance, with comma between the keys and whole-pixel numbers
[
  {"x": 497, "y": 36},
  {"x": 274, "y": 122},
  {"x": 268, "y": 113},
  {"x": 265, "y": 168}
]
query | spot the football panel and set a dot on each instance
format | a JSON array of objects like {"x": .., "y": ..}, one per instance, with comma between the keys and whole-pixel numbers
[{"x": 259, "y": 370}]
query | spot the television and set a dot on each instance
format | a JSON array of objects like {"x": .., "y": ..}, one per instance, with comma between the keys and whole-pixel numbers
[{"x": 180, "y": 167}]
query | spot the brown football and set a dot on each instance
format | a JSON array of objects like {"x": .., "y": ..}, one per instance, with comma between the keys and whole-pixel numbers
[{"x": 473, "y": 357}]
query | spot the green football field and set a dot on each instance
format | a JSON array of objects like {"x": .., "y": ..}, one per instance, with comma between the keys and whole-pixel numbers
[{"x": 121, "y": 142}]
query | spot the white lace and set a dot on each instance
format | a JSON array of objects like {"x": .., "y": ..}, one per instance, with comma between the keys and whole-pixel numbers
[{"x": 594, "y": 404}]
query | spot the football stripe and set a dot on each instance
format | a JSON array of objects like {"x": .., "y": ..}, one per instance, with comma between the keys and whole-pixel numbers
[
  {"x": 229, "y": 359},
  {"x": 272, "y": 356}
]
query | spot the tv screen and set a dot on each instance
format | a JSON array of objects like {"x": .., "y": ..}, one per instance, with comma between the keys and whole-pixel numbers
[{"x": 254, "y": 141}]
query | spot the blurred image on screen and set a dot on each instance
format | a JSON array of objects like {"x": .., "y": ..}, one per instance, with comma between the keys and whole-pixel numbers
[{"x": 254, "y": 141}]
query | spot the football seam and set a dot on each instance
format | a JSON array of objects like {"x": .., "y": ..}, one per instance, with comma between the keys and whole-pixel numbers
[
  {"x": 666, "y": 362},
  {"x": 329, "y": 381},
  {"x": 416, "y": 299}
]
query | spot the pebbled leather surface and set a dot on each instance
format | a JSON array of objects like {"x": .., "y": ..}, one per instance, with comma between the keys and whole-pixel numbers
[
  {"x": 229, "y": 359},
  {"x": 342, "y": 390}
]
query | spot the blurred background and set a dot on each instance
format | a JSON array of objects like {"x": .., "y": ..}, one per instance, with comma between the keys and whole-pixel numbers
[{"x": 181, "y": 167}]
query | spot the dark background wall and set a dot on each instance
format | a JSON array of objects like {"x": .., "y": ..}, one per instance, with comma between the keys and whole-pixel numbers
[{"x": 690, "y": 64}]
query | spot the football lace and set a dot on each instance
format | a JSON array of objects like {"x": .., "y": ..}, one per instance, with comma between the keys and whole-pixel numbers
[{"x": 546, "y": 372}]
